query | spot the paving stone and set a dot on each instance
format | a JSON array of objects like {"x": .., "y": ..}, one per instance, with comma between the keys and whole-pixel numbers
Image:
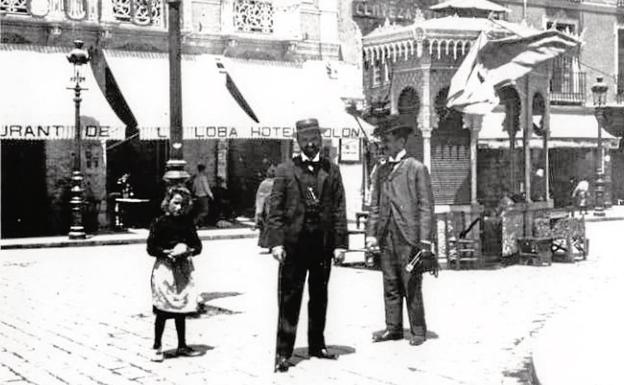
[{"x": 483, "y": 322}]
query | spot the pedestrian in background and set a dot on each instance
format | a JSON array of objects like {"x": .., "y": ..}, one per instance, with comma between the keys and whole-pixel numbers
[
  {"x": 401, "y": 224},
  {"x": 580, "y": 194},
  {"x": 173, "y": 241},
  {"x": 203, "y": 195},
  {"x": 306, "y": 227},
  {"x": 262, "y": 205}
]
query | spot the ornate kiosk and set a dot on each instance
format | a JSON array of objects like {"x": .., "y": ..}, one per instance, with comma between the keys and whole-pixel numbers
[{"x": 411, "y": 67}]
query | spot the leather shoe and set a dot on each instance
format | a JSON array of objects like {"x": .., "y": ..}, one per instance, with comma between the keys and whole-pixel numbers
[
  {"x": 323, "y": 354},
  {"x": 188, "y": 352},
  {"x": 417, "y": 340},
  {"x": 387, "y": 336},
  {"x": 282, "y": 364}
]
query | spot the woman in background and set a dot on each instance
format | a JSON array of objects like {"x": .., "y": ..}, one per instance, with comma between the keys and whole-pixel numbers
[
  {"x": 173, "y": 241},
  {"x": 262, "y": 204}
]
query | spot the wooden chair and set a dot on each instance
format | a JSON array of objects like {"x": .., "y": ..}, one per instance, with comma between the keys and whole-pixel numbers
[
  {"x": 569, "y": 240},
  {"x": 535, "y": 250},
  {"x": 463, "y": 250}
]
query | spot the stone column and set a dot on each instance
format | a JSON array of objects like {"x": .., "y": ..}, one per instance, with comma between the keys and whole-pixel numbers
[
  {"x": 426, "y": 135},
  {"x": 512, "y": 159},
  {"x": 527, "y": 125},
  {"x": 187, "y": 16},
  {"x": 57, "y": 10},
  {"x": 227, "y": 16},
  {"x": 107, "y": 11},
  {"x": 474, "y": 125},
  {"x": 546, "y": 128}
]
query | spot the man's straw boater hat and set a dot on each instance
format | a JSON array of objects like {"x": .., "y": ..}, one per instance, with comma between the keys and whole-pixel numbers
[{"x": 307, "y": 125}]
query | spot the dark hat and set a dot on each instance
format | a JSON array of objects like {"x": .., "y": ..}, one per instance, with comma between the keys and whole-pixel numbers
[
  {"x": 308, "y": 124},
  {"x": 392, "y": 125}
]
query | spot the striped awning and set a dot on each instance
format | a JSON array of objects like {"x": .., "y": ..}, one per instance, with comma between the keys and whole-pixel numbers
[{"x": 37, "y": 103}]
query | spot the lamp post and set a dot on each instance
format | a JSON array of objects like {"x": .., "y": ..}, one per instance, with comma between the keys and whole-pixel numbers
[
  {"x": 78, "y": 57},
  {"x": 175, "y": 174},
  {"x": 599, "y": 92}
]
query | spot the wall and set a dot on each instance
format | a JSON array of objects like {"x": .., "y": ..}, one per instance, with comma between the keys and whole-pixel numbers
[{"x": 58, "y": 178}]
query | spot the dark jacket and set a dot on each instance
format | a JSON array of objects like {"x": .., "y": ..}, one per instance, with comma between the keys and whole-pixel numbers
[
  {"x": 167, "y": 230},
  {"x": 286, "y": 206},
  {"x": 408, "y": 199}
]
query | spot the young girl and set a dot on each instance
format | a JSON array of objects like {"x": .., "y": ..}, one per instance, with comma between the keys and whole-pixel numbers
[{"x": 173, "y": 240}]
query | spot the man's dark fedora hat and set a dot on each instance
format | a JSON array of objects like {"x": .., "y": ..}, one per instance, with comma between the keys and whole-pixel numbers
[
  {"x": 393, "y": 125},
  {"x": 308, "y": 124}
]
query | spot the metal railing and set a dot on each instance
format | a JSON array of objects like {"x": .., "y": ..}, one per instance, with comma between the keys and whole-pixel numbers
[{"x": 567, "y": 87}]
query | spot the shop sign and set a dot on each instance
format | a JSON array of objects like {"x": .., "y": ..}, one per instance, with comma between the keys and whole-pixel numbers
[
  {"x": 383, "y": 9},
  {"x": 57, "y": 131},
  {"x": 252, "y": 132}
]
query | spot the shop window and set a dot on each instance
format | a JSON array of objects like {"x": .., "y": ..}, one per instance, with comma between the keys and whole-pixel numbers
[
  {"x": 253, "y": 16},
  {"x": 19, "y": 7},
  {"x": 141, "y": 12},
  {"x": 92, "y": 159}
]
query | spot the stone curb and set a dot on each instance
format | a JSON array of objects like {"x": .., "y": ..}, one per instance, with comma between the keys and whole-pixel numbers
[
  {"x": 208, "y": 235},
  {"x": 21, "y": 244}
]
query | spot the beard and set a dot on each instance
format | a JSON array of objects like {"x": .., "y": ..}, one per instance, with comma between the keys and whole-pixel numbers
[{"x": 310, "y": 151}]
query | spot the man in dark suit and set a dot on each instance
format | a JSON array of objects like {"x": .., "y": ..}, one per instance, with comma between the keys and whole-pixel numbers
[
  {"x": 400, "y": 223},
  {"x": 306, "y": 227}
]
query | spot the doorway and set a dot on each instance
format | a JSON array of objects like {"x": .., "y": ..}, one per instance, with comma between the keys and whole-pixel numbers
[
  {"x": 248, "y": 161},
  {"x": 24, "y": 193}
]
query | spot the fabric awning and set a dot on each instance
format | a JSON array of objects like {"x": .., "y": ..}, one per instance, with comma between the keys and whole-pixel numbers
[
  {"x": 566, "y": 130},
  {"x": 37, "y": 104},
  {"x": 275, "y": 94},
  {"x": 281, "y": 94},
  {"x": 208, "y": 110}
]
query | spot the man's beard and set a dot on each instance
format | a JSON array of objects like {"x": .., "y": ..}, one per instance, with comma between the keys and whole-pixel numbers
[{"x": 310, "y": 152}]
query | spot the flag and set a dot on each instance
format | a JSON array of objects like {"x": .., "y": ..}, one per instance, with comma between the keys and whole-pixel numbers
[{"x": 491, "y": 64}]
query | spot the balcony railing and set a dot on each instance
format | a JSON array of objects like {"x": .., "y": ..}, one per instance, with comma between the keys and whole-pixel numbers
[
  {"x": 139, "y": 12},
  {"x": 567, "y": 87},
  {"x": 15, "y": 7}
]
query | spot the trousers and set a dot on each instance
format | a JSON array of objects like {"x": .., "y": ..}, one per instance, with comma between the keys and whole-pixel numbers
[
  {"x": 306, "y": 258},
  {"x": 399, "y": 284}
]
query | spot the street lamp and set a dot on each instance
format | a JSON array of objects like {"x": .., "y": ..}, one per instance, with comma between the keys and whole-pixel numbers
[
  {"x": 175, "y": 173},
  {"x": 78, "y": 57},
  {"x": 599, "y": 92}
]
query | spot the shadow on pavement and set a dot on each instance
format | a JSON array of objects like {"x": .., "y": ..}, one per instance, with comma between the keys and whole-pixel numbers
[
  {"x": 300, "y": 354},
  {"x": 202, "y": 349},
  {"x": 205, "y": 297},
  {"x": 204, "y": 310},
  {"x": 406, "y": 334}
]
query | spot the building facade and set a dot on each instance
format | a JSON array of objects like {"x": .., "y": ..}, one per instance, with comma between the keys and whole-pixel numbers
[
  {"x": 417, "y": 84},
  {"x": 128, "y": 42}
]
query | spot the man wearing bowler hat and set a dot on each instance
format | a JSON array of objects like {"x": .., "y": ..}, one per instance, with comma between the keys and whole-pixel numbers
[
  {"x": 306, "y": 227},
  {"x": 401, "y": 224}
]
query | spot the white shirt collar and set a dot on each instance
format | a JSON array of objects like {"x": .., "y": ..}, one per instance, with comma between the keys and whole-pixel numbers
[
  {"x": 304, "y": 157},
  {"x": 398, "y": 157}
]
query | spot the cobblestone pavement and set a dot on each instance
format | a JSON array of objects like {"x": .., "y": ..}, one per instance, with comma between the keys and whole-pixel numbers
[{"x": 83, "y": 316}]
